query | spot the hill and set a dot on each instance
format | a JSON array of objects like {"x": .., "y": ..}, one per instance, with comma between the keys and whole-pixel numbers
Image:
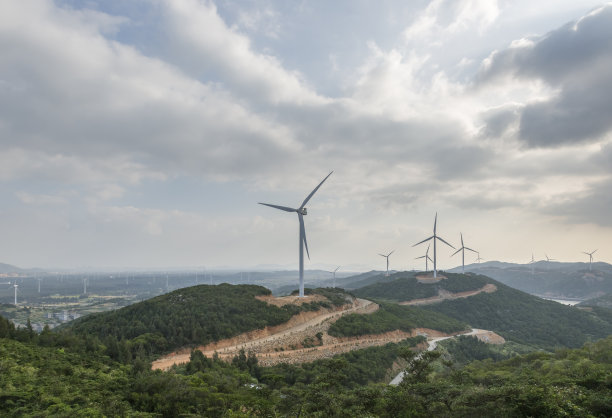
[
  {"x": 604, "y": 301},
  {"x": 194, "y": 316},
  {"x": 551, "y": 279},
  {"x": 404, "y": 286},
  {"x": 515, "y": 315}
]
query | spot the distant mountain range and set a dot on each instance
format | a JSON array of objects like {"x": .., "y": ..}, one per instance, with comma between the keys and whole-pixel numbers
[{"x": 550, "y": 279}]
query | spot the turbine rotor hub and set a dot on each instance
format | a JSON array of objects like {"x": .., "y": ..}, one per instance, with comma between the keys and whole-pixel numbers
[{"x": 303, "y": 211}]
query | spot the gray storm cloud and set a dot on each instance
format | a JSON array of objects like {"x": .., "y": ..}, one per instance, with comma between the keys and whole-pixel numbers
[{"x": 574, "y": 60}]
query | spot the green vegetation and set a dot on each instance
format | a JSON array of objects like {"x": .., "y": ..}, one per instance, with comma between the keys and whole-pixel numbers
[
  {"x": 527, "y": 319},
  {"x": 404, "y": 287},
  {"x": 604, "y": 301},
  {"x": 59, "y": 374},
  {"x": 392, "y": 317},
  {"x": 465, "y": 349},
  {"x": 191, "y": 316},
  {"x": 360, "y": 367}
]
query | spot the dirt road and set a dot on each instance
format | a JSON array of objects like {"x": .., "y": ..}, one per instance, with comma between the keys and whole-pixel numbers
[{"x": 446, "y": 295}]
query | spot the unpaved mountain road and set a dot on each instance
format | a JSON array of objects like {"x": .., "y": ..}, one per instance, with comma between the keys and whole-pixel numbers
[{"x": 304, "y": 337}]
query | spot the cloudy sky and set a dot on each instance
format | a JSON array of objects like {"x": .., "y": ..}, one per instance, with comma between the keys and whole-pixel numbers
[{"x": 143, "y": 133}]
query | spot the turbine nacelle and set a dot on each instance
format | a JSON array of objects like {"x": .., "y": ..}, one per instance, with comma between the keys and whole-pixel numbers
[{"x": 302, "y": 211}]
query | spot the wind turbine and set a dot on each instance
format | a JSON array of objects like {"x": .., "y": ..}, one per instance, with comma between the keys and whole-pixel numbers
[
  {"x": 548, "y": 258},
  {"x": 387, "y": 257},
  {"x": 301, "y": 212},
  {"x": 434, "y": 237},
  {"x": 462, "y": 249},
  {"x": 479, "y": 259},
  {"x": 85, "y": 280},
  {"x": 334, "y": 274},
  {"x": 590, "y": 257},
  {"x": 532, "y": 264},
  {"x": 427, "y": 258}
]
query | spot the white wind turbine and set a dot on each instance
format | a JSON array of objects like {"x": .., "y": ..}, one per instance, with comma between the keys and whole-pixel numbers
[
  {"x": 427, "y": 258},
  {"x": 301, "y": 212},
  {"x": 387, "y": 257},
  {"x": 590, "y": 257},
  {"x": 532, "y": 262},
  {"x": 479, "y": 259},
  {"x": 434, "y": 237},
  {"x": 462, "y": 249},
  {"x": 334, "y": 275}
]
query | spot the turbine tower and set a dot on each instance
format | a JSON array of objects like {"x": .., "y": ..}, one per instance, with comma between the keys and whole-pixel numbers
[
  {"x": 387, "y": 257},
  {"x": 301, "y": 212},
  {"x": 427, "y": 258},
  {"x": 462, "y": 249},
  {"x": 85, "y": 285},
  {"x": 434, "y": 237},
  {"x": 590, "y": 257},
  {"x": 532, "y": 264},
  {"x": 15, "y": 286},
  {"x": 334, "y": 274}
]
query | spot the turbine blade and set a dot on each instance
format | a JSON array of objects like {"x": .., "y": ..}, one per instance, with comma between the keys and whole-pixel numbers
[
  {"x": 285, "y": 208},
  {"x": 594, "y": 251},
  {"x": 445, "y": 242},
  {"x": 425, "y": 240},
  {"x": 429, "y": 258},
  {"x": 461, "y": 238},
  {"x": 303, "y": 230},
  {"x": 456, "y": 251},
  {"x": 337, "y": 269},
  {"x": 382, "y": 255},
  {"x": 474, "y": 251},
  {"x": 435, "y": 222},
  {"x": 390, "y": 253},
  {"x": 314, "y": 191}
]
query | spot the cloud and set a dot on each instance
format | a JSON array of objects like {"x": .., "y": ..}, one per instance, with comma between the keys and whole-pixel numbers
[{"x": 575, "y": 61}]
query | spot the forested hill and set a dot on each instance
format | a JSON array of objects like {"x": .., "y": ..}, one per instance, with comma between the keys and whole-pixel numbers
[
  {"x": 515, "y": 315},
  {"x": 404, "y": 286},
  {"x": 193, "y": 316},
  {"x": 527, "y": 319}
]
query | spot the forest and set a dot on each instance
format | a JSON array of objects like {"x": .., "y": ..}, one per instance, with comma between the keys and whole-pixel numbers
[
  {"x": 404, "y": 287},
  {"x": 191, "y": 316},
  {"x": 392, "y": 317},
  {"x": 64, "y": 374}
]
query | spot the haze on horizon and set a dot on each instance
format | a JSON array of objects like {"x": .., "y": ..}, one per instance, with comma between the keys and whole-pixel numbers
[{"x": 144, "y": 133}]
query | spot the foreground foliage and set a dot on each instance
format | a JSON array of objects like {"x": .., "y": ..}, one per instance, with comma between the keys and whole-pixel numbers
[{"x": 61, "y": 375}]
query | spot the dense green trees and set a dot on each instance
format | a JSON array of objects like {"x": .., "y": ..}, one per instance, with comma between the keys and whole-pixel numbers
[
  {"x": 62, "y": 375},
  {"x": 392, "y": 317},
  {"x": 527, "y": 319},
  {"x": 191, "y": 316},
  {"x": 404, "y": 286}
]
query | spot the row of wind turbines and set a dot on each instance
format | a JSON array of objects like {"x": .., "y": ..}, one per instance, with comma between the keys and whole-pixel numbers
[
  {"x": 302, "y": 211},
  {"x": 435, "y": 237}
]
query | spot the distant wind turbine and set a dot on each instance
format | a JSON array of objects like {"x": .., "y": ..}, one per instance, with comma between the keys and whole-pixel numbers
[
  {"x": 462, "y": 249},
  {"x": 334, "y": 274},
  {"x": 427, "y": 258},
  {"x": 301, "y": 212},
  {"x": 532, "y": 264},
  {"x": 548, "y": 258},
  {"x": 590, "y": 257},
  {"x": 387, "y": 257},
  {"x": 478, "y": 259},
  {"x": 15, "y": 286},
  {"x": 434, "y": 237}
]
